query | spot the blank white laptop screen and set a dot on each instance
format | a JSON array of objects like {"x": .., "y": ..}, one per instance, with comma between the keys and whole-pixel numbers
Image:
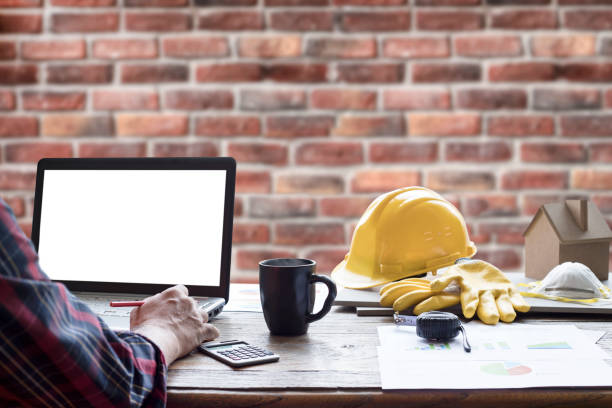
[{"x": 137, "y": 226}]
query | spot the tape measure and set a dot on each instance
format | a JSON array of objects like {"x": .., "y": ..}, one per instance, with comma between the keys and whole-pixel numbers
[{"x": 435, "y": 326}]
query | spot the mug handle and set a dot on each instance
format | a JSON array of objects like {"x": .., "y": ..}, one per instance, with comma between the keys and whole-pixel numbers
[{"x": 331, "y": 286}]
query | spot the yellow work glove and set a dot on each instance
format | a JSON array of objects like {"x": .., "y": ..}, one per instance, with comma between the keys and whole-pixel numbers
[
  {"x": 408, "y": 292},
  {"x": 484, "y": 290}
]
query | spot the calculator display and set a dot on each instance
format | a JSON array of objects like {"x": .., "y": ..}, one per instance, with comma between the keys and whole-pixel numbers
[{"x": 219, "y": 348}]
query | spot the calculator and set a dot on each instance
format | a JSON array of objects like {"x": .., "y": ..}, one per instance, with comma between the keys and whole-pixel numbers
[{"x": 236, "y": 353}]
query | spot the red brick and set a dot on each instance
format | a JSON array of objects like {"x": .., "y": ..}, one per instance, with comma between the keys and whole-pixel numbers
[
  {"x": 7, "y": 100},
  {"x": 298, "y": 126},
  {"x": 84, "y": 23},
  {"x": 125, "y": 100},
  {"x": 20, "y": 23},
  {"x": 566, "y": 99},
  {"x": 329, "y": 154},
  {"x": 48, "y": 50},
  {"x": 309, "y": 234},
  {"x": 426, "y": 72},
  {"x": 272, "y": 99},
  {"x": 125, "y": 48},
  {"x": 446, "y": 180},
  {"x": 147, "y": 73},
  {"x": 475, "y": 152},
  {"x": 489, "y": 46},
  {"x": 371, "y": 73},
  {"x": 84, "y": 3},
  {"x": 532, "y": 203},
  {"x": 270, "y": 47},
  {"x": 341, "y": 48},
  {"x": 17, "y": 180},
  {"x": 404, "y": 152},
  {"x": 563, "y": 45},
  {"x": 33, "y": 152},
  {"x": 225, "y": 3},
  {"x": 534, "y": 179},
  {"x": 8, "y": 50},
  {"x": 17, "y": 126},
  {"x": 309, "y": 184},
  {"x": 151, "y": 124},
  {"x": 302, "y": 20},
  {"x": 504, "y": 233},
  {"x": 375, "y": 21},
  {"x": 504, "y": 259},
  {"x": 231, "y": 20},
  {"x": 18, "y": 74},
  {"x": 600, "y": 152},
  {"x": 253, "y": 182},
  {"x": 19, "y": 3},
  {"x": 339, "y": 99},
  {"x": 523, "y": 71},
  {"x": 112, "y": 150},
  {"x": 423, "y": 47},
  {"x": 444, "y": 124},
  {"x": 249, "y": 258},
  {"x": 416, "y": 99},
  {"x": 519, "y": 126},
  {"x": 356, "y": 2},
  {"x": 326, "y": 259},
  {"x": 80, "y": 74},
  {"x": 196, "y": 149},
  {"x": 586, "y": 125},
  {"x": 251, "y": 234},
  {"x": 296, "y": 72},
  {"x": 236, "y": 72},
  {"x": 374, "y": 181},
  {"x": 516, "y": 2},
  {"x": 238, "y": 207},
  {"x": 195, "y": 47},
  {"x": 164, "y": 22},
  {"x": 603, "y": 202},
  {"x": 449, "y": 20},
  {"x": 491, "y": 205},
  {"x": 528, "y": 19},
  {"x": 344, "y": 206},
  {"x": 17, "y": 204},
  {"x": 224, "y": 126},
  {"x": 584, "y": 72},
  {"x": 53, "y": 101},
  {"x": 72, "y": 125},
  {"x": 588, "y": 19},
  {"x": 281, "y": 207},
  {"x": 592, "y": 179},
  {"x": 553, "y": 153},
  {"x": 156, "y": 3},
  {"x": 370, "y": 126},
  {"x": 264, "y": 153},
  {"x": 485, "y": 99}
]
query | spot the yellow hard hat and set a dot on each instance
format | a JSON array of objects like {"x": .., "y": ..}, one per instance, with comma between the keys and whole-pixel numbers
[{"x": 403, "y": 233}]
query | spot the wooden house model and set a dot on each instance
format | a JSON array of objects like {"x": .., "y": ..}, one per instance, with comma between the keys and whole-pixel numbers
[{"x": 571, "y": 231}]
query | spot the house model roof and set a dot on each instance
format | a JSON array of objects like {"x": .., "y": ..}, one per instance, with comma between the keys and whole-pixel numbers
[{"x": 566, "y": 227}]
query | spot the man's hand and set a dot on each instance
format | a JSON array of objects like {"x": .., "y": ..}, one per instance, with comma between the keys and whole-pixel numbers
[{"x": 172, "y": 320}]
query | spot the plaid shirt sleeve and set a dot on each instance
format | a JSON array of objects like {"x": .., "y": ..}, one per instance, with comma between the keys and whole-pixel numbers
[{"x": 54, "y": 351}]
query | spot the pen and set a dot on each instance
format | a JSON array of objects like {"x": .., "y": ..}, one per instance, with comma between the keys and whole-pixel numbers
[{"x": 127, "y": 304}]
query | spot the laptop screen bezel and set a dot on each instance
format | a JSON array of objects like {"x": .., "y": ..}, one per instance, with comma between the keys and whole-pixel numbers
[{"x": 183, "y": 163}]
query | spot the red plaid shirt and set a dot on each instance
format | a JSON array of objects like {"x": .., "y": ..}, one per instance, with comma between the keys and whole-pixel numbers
[{"x": 54, "y": 351}]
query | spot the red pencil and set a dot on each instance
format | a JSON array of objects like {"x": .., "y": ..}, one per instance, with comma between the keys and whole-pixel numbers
[{"x": 127, "y": 304}]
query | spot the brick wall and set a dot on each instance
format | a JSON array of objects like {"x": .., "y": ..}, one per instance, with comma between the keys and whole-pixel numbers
[{"x": 500, "y": 105}]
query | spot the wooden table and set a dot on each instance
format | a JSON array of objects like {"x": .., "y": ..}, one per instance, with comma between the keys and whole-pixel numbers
[{"x": 335, "y": 364}]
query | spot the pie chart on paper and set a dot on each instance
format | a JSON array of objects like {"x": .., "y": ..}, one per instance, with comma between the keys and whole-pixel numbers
[{"x": 505, "y": 368}]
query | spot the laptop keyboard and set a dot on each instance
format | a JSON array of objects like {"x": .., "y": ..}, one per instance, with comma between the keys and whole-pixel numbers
[{"x": 100, "y": 303}]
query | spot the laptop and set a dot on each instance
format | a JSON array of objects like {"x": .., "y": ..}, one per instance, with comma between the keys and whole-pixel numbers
[{"x": 128, "y": 228}]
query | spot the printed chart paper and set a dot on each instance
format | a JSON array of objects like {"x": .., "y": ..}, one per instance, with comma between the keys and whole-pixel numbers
[{"x": 503, "y": 356}]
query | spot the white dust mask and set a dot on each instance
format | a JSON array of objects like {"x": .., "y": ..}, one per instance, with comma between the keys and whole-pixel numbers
[{"x": 570, "y": 282}]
